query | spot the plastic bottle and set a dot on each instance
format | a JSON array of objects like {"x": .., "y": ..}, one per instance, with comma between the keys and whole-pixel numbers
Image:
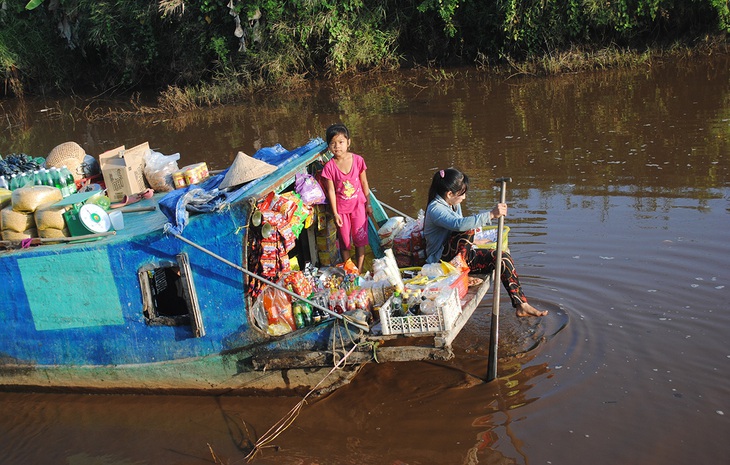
[
  {"x": 58, "y": 181},
  {"x": 396, "y": 304},
  {"x": 47, "y": 178},
  {"x": 298, "y": 317},
  {"x": 405, "y": 303},
  {"x": 37, "y": 179},
  {"x": 384, "y": 326},
  {"x": 307, "y": 314},
  {"x": 13, "y": 184},
  {"x": 4, "y": 183},
  {"x": 70, "y": 181},
  {"x": 24, "y": 179}
]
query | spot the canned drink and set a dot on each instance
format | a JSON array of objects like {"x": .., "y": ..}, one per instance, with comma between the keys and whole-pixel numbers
[{"x": 179, "y": 179}]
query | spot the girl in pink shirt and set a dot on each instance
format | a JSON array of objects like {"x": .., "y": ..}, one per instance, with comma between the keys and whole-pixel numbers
[{"x": 348, "y": 193}]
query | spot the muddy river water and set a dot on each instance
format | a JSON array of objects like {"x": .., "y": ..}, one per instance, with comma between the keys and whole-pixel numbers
[{"x": 620, "y": 220}]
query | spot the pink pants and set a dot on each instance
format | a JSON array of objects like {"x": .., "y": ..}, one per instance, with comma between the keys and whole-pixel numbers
[{"x": 355, "y": 225}]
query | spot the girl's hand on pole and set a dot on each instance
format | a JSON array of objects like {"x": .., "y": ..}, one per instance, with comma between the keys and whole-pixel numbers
[{"x": 499, "y": 210}]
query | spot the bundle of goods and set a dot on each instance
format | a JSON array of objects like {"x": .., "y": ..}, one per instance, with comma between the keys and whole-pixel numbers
[
  {"x": 275, "y": 226},
  {"x": 409, "y": 245},
  {"x": 486, "y": 237},
  {"x": 427, "y": 302},
  {"x": 18, "y": 217},
  {"x": 15, "y": 167},
  {"x": 159, "y": 171},
  {"x": 334, "y": 289},
  {"x": 328, "y": 247},
  {"x": 190, "y": 174},
  {"x": 390, "y": 230}
]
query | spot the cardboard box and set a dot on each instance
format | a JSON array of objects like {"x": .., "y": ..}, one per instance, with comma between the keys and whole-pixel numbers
[
  {"x": 327, "y": 243},
  {"x": 123, "y": 171},
  {"x": 329, "y": 258}
]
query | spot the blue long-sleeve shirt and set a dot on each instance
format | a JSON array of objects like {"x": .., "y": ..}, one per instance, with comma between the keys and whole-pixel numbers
[{"x": 441, "y": 220}]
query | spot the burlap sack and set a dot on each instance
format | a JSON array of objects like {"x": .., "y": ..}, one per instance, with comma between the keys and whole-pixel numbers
[
  {"x": 9, "y": 235},
  {"x": 16, "y": 221},
  {"x": 54, "y": 232},
  {"x": 6, "y": 196},
  {"x": 28, "y": 199},
  {"x": 49, "y": 218}
]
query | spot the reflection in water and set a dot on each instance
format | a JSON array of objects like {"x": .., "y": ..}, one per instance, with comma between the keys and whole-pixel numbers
[
  {"x": 618, "y": 215},
  {"x": 511, "y": 394}
]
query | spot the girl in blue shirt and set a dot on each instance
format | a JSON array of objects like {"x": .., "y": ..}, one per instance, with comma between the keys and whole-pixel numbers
[{"x": 449, "y": 233}]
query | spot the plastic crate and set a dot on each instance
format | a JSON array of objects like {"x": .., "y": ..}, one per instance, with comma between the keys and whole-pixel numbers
[{"x": 442, "y": 320}]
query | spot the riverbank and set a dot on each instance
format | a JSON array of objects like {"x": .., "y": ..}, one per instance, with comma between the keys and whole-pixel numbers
[{"x": 207, "y": 52}]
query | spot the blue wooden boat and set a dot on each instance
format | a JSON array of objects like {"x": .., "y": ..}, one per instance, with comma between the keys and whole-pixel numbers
[{"x": 148, "y": 309}]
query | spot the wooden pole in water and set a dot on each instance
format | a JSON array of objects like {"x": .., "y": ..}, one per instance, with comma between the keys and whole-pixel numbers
[{"x": 494, "y": 330}]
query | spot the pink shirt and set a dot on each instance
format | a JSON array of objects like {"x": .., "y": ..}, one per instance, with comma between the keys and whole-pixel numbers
[{"x": 348, "y": 189}]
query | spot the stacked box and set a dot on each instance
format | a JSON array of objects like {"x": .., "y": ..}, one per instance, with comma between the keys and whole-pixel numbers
[
  {"x": 123, "y": 171},
  {"x": 327, "y": 243},
  {"x": 328, "y": 250}
]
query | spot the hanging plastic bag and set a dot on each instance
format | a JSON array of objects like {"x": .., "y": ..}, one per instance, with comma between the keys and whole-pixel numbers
[
  {"x": 310, "y": 190},
  {"x": 278, "y": 312}
]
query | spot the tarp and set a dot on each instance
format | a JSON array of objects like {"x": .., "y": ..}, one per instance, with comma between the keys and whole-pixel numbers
[{"x": 205, "y": 196}]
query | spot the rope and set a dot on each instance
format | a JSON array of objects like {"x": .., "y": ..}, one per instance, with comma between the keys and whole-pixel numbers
[
  {"x": 264, "y": 280},
  {"x": 288, "y": 419}
]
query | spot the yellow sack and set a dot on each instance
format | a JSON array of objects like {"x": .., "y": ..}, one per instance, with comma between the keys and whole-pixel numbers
[
  {"x": 49, "y": 218},
  {"x": 9, "y": 235},
  {"x": 16, "y": 221},
  {"x": 28, "y": 199},
  {"x": 54, "y": 233}
]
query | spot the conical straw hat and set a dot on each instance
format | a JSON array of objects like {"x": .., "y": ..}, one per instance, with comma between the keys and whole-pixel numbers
[{"x": 245, "y": 169}]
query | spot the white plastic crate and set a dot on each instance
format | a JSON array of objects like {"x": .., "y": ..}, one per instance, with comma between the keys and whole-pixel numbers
[{"x": 442, "y": 320}]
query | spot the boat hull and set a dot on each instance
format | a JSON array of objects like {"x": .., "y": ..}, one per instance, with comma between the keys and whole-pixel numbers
[{"x": 145, "y": 311}]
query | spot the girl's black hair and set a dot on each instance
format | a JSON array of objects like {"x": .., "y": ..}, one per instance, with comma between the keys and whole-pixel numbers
[
  {"x": 335, "y": 129},
  {"x": 448, "y": 180}
]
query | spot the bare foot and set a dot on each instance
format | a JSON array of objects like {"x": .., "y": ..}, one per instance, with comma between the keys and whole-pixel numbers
[{"x": 528, "y": 310}]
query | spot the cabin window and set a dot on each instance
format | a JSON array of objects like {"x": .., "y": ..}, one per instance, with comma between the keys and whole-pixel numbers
[{"x": 169, "y": 295}]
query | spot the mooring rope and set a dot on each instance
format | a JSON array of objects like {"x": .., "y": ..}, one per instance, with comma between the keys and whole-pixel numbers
[{"x": 288, "y": 419}]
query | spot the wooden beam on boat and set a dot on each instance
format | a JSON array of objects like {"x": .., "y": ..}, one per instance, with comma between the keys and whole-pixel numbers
[{"x": 283, "y": 360}]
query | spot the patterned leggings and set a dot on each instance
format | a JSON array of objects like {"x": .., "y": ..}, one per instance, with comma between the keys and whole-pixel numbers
[{"x": 482, "y": 261}]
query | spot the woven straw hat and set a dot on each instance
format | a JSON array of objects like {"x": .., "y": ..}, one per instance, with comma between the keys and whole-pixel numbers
[
  {"x": 70, "y": 154},
  {"x": 245, "y": 169}
]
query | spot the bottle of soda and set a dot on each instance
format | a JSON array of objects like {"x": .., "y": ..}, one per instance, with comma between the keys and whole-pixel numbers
[
  {"x": 47, "y": 178},
  {"x": 70, "y": 181},
  {"x": 25, "y": 179},
  {"x": 4, "y": 183},
  {"x": 55, "y": 179},
  {"x": 396, "y": 304},
  {"x": 405, "y": 303},
  {"x": 317, "y": 315},
  {"x": 37, "y": 179},
  {"x": 13, "y": 184},
  {"x": 298, "y": 317},
  {"x": 307, "y": 314}
]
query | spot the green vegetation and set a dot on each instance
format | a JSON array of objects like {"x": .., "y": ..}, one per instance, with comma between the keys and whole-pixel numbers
[{"x": 207, "y": 52}]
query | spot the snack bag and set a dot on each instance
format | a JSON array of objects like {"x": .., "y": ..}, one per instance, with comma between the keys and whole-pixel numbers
[{"x": 310, "y": 190}]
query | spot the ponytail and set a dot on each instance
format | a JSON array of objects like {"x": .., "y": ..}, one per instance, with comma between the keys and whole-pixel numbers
[{"x": 448, "y": 180}]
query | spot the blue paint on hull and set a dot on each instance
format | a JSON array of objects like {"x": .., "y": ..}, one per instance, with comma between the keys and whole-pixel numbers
[{"x": 81, "y": 304}]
